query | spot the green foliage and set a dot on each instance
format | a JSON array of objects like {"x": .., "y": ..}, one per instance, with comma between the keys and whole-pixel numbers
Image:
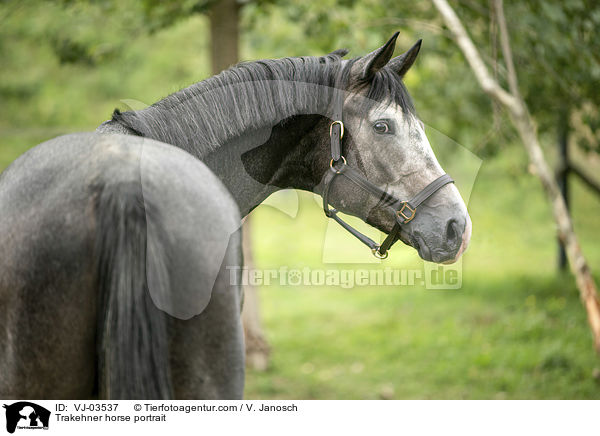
[
  {"x": 160, "y": 14},
  {"x": 556, "y": 56},
  {"x": 69, "y": 65}
]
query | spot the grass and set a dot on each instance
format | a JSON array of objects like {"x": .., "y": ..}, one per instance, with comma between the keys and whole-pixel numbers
[{"x": 508, "y": 339}]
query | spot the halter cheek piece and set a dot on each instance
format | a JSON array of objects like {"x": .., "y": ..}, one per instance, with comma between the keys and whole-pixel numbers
[{"x": 404, "y": 211}]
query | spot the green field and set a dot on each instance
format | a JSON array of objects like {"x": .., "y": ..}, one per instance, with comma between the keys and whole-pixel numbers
[{"x": 516, "y": 329}]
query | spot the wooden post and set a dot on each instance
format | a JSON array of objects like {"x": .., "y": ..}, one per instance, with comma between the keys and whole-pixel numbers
[{"x": 563, "y": 177}]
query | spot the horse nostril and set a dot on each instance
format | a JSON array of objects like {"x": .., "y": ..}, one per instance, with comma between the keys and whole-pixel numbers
[{"x": 453, "y": 236}]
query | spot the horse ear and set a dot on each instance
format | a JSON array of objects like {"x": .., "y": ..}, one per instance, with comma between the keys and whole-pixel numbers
[
  {"x": 401, "y": 64},
  {"x": 341, "y": 52},
  {"x": 368, "y": 65}
]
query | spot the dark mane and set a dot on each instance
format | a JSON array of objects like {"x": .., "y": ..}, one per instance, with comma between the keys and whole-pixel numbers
[{"x": 253, "y": 95}]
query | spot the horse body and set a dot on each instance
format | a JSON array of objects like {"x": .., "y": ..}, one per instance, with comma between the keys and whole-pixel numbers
[
  {"x": 49, "y": 285},
  {"x": 117, "y": 247}
]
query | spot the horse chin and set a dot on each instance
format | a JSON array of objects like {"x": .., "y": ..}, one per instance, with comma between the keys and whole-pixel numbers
[{"x": 419, "y": 244}]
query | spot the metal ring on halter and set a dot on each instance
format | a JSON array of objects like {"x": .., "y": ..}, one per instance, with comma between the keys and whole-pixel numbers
[
  {"x": 378, "y": 255},
  {"x": 331, "y": 164},
  {"x": 341, "y": 128}
]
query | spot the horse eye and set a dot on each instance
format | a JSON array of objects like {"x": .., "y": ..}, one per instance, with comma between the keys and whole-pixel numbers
[{"x": 382, "y": 127}]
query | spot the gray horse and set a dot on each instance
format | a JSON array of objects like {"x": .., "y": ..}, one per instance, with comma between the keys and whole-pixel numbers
[{"x": 116, "y": 246}]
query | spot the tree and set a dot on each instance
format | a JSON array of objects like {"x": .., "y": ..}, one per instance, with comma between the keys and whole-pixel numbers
[
  {"x": 525, "y": 126},
  {"x": 224, "y": 34}
]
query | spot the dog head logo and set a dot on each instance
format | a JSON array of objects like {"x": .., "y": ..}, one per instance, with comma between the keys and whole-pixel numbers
[{"x": 26, "y": 415}]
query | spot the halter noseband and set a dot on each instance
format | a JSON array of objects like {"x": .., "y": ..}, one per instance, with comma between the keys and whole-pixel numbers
[{"x": 404, "y": 211}]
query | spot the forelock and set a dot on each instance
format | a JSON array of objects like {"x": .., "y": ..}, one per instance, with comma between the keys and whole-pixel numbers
[{"x": 385, "y": 88}]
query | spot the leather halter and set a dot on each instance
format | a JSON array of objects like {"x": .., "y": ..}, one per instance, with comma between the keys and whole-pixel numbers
[{"x": 404, "y": 211}]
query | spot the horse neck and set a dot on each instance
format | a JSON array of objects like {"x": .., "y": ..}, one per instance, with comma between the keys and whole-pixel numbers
[
  {"x": 255, "y": 136},
  {"x": 263, "y": 161}
]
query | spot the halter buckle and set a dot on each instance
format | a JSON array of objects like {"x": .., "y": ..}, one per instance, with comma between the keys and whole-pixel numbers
[
  {"x": 378, "y": 255},
  {"x": 401, "y": 213},
  {"x": 341, "y": 128}
]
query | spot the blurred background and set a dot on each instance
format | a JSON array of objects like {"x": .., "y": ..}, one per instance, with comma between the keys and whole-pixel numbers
[{"x": 516, "y": 328}]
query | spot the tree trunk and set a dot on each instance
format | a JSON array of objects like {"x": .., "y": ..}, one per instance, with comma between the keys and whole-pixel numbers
[
  {"x": 526, "y": 128},
  {"x": 224, "y": 52},
  {"x": 224, "y": 34},
  {"x": 563, "y": 176}
]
